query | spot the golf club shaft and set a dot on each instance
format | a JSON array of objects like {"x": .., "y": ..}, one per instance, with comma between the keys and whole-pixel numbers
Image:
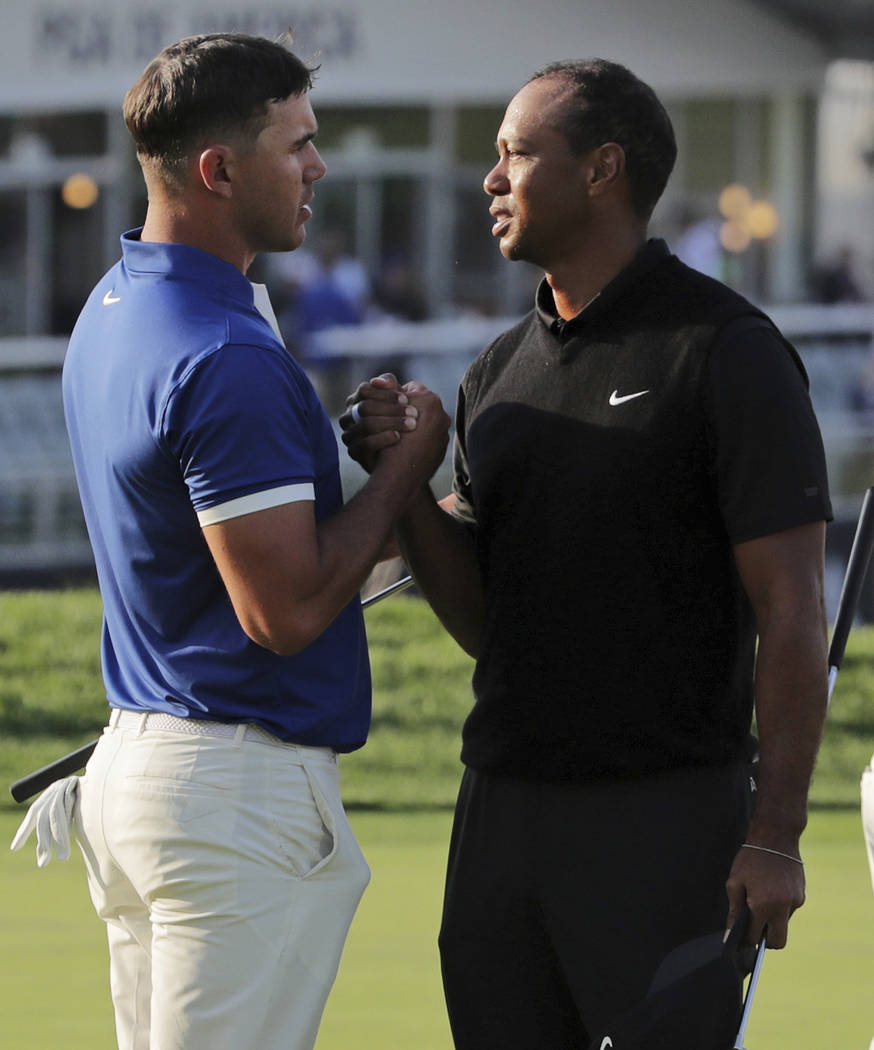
[
  {"x": 40, "y": 779},
  {"x": 857, "y": 569},
  {"x": 394, "y": 588},
  {"x": 751, "y": 991}
]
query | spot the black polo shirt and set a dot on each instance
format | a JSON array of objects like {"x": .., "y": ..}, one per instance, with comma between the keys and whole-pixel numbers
[{"x": 608, "y": 465}]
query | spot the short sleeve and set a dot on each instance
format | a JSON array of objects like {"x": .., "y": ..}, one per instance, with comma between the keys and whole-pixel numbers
[
  {"x": 769, "y": 460},
  {"x": 464, "y": 509},
  {"x": 239, "y": 424}
]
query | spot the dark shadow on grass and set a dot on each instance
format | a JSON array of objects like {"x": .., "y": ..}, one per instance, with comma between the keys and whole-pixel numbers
[
  {"x": 415, "y": 722},
  {"x": 399, "y": 807},
  {"x": 434, "y": 807},
  {"x": 833, "y": 807},
  {"x": 26, "y": 721},
  {"x": 864, "y": 727}
]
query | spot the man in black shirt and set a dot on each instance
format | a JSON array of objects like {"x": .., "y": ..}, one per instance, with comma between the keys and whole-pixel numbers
[{"x": 639, "y": 500}]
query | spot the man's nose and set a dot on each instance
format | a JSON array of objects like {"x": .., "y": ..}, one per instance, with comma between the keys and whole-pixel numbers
[
  {"x": 318, "y": 169},
  {"x": 496, "y": 183}
]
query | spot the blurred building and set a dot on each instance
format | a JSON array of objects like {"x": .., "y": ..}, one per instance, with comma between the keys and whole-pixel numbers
[{"x": 409, "y": 98}]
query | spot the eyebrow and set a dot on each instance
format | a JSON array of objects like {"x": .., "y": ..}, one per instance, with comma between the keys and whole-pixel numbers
[
  {"x": 520, "y": 140},
  {"x": 304, "y": 139}
]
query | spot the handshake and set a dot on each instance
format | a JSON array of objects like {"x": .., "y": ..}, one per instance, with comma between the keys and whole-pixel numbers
[{"x": 401, "y": 428}]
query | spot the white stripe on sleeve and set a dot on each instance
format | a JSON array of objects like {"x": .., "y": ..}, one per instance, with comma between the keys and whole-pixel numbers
[{"x": 255, "y": 501}]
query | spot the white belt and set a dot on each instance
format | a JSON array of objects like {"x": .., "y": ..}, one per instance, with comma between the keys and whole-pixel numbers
[{"x": 122, "y": 719}]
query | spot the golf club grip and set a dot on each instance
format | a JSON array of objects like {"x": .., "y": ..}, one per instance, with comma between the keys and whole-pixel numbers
[
  {"x": 40, "y": 779},
  {"x": 857, "y": 569},
  {"x": 35, "y": 782}
]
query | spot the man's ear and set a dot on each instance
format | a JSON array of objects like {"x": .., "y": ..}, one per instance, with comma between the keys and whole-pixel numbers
[
  {"x": 213, "y": 167},
  {"x": 606, "y": 167}
]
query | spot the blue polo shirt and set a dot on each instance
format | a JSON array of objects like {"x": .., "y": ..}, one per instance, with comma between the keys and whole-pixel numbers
[{"x": 184, "y": 409}]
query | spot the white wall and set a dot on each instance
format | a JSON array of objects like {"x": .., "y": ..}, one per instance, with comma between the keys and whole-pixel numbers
[{"x": 56, "y": 54}]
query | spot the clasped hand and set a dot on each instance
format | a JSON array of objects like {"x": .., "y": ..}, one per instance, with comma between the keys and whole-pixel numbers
[{"x": 382, "y": 415}]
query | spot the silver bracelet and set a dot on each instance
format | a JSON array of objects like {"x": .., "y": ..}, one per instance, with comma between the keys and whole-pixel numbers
[{"x": 776, "y": 852}]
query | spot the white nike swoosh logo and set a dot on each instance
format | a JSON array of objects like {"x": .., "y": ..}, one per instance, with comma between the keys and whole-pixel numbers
[
  {"x": 109, "y": 298},
  {"x": 615, "y": 399}
]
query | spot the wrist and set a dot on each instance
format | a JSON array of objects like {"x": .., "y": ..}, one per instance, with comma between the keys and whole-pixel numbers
[
  {"x": 779, "y": 813},
  {"x": 795, "y": 857},
  {"x": 397, "y": 481},
  {"x": 784, "y": 836}
]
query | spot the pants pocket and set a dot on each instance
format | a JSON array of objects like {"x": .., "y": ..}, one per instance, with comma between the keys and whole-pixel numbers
[{"x": 304, "y": 823}]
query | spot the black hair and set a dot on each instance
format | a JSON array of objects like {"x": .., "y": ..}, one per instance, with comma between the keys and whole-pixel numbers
[{"x": 610, "y": 104}]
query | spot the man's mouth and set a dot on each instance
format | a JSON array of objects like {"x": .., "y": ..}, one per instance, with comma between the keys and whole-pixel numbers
[{"x": 502, "y": 222}]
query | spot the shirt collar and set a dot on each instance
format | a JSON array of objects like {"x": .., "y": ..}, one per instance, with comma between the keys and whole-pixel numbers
[
  {"x": 653, "y": 252},
  {"x": 184, "y": 262}
]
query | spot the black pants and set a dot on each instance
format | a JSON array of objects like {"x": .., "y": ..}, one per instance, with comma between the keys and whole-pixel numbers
[{"x": 562, "y": 899}]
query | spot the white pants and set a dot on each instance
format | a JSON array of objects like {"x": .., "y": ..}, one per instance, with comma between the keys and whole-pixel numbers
[
  {"x": 228, "y": 875},
  {"x": 868, "y": 815}
]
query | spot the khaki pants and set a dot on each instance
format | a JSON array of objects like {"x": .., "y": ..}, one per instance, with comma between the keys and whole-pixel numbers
[{"x": 227, "y": 874}]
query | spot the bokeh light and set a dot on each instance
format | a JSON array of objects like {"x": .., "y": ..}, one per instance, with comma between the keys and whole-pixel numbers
[
  {"x": 734, "y": 201},
  {"x": 761, "y": 219},
  {"x": 734, "y": 237},
  {"x": 80, "y": 191},
  {"x": 745, "y": 219}
]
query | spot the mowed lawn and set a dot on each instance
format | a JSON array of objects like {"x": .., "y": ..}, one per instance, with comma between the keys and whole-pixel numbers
[
  {"x": 817, "y": 994},
  {"x": 53, "y": 968}
]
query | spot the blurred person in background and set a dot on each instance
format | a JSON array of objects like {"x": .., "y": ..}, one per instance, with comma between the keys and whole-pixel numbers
[
  {"x": 640, "y": 499},
  {"x": 835, "y": 280},
  {"x": 331, "y": 290},
  {"x": 698, "y": 244},
  {"x": 334, "y": 291}
]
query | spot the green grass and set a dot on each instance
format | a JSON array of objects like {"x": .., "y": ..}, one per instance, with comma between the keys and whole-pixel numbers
[
  {"x": 53, "y": 984},
  {"x": 52, "y": 701},
  {"x": 818, "y": 993},
  {"x": 52, "y": 698},
  {"x": 848, "y": 742}
]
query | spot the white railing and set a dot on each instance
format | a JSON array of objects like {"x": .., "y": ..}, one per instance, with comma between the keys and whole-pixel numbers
[{"x": 40, "y": 521}]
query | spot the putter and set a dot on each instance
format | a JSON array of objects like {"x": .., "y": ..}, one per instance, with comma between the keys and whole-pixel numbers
[
  {"x": 854, "y": 578},
  {"x": 33, "y": 783}
]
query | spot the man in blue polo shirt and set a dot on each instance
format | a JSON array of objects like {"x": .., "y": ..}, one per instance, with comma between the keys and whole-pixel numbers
[{"x": 234, "y": 653}]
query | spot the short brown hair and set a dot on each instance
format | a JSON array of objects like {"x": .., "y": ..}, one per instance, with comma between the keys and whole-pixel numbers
[{"x": 204, "y": 87}]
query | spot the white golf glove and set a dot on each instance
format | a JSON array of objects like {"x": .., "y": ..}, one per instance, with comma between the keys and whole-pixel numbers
[{"x": 52, "y": 816}]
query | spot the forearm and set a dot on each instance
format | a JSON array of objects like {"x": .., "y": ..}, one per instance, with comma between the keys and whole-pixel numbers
[
  {"x": 791, "y": 701},
  {"x": 440, "y": 553},
  {"x": 354, "y": 540},
  {"x": 289, "y": 576},
  {"x": 782, "y": 574},
  {"x": 790, "y": 705}
]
